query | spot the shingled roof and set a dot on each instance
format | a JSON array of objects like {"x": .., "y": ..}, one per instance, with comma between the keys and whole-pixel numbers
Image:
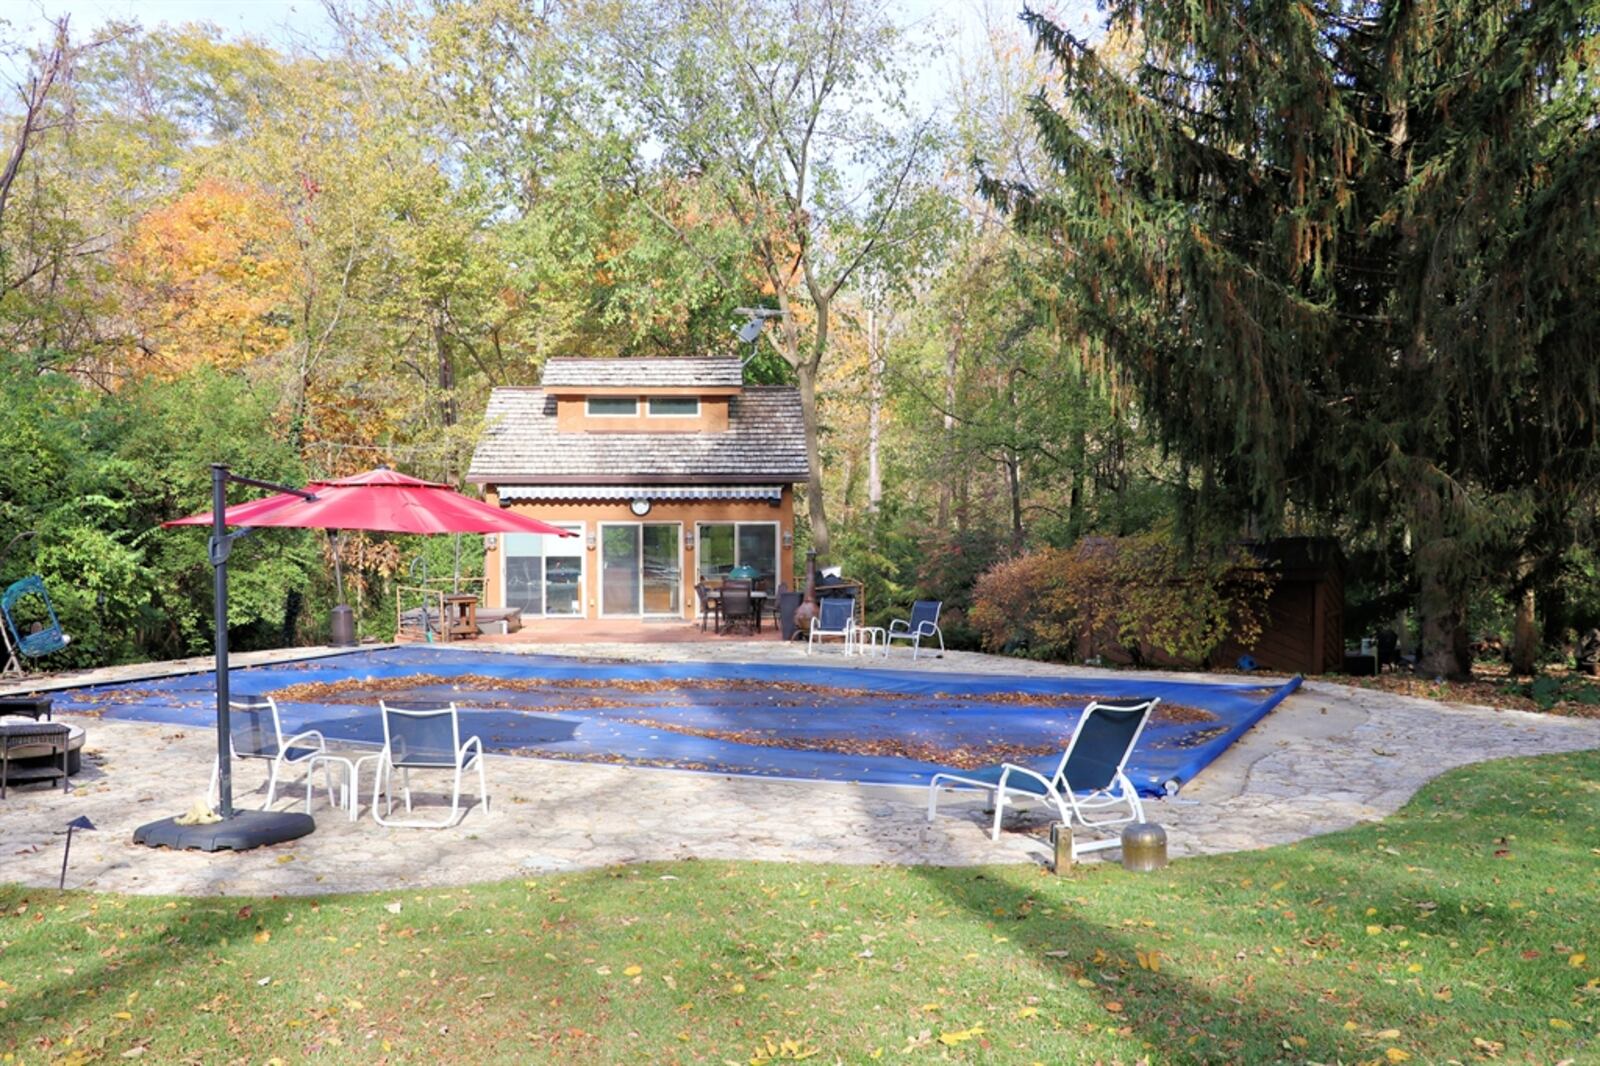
[
  {"x": 673, "y": 372},
  {"x": 765, "y": 441}
]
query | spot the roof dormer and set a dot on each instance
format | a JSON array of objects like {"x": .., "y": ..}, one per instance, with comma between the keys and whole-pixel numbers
[{"x": 664, "y": 395}]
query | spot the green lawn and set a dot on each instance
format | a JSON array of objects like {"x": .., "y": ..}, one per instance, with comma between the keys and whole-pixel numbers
[{"x": 1466, "y": 928}]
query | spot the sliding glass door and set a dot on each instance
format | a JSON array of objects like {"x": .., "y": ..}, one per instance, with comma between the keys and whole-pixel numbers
[
  {"x": 641, "y": 568},
  {"x": 663, "y": 569}
]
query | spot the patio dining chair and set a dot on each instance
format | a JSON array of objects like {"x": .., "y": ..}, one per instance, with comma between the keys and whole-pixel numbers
[
  {"x": 924, "y": 622},
  {"x": 710, "y": 606},
  {"x": 738, "y": 605},
  {"x": 255, "y": 731},
  {"x": 1089, "y": 787},
  {"x": 424, "y": 736},
  {"x": 836, "y": 617}
]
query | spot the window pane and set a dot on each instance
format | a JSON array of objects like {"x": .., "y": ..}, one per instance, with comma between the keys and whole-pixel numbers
[
  {"x": 675, "y": 405},
  {"x": 716, "y": 550},
  {"x": 524, "y": 571},
  {"x": 613, "y": 405},
  {"x": 758, "y": 548},
  {"x": 619, "y": 570}
]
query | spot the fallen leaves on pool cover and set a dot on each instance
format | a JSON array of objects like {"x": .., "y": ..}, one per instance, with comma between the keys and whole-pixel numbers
[
  {"x": 959, "y": 758},
  {"x": 371, "y": 690}
]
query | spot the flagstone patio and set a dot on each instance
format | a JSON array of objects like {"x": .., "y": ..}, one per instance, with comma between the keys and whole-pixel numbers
[{"x": 1329, "y": 757}]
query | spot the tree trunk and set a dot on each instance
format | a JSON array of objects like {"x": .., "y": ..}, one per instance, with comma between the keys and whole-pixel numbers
[
  {"x": 951, "y": 353},
  {"x": 874, "y": 415},
  {"x": 447, "y": 374},
  {"x": 1440, "y": 607},
  {"x": 806, "y": 373},
  {"x": 1525, "y": 635},
  {"x": 1075, "y": 502},
  {"x": 1013, "y": 463}
]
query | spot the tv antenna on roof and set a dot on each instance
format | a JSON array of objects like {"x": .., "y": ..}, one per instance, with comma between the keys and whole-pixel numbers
[{"x": 756, "y": 319}]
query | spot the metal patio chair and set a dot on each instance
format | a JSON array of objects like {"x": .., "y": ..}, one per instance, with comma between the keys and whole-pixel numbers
[
  {"x": 1089, "y": 787},
  {"x": 836, "y": 617},
  {"x": 255, "y": 731},
  {"x": 424, "y": 736},
  {"x": 738, "y": 605},
  {"x": 710, "y": 606},
  {"x": 924, "y": 622}
]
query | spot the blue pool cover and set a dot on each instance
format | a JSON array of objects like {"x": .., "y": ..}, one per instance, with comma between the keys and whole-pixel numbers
[{"x": 877, "y": 726}]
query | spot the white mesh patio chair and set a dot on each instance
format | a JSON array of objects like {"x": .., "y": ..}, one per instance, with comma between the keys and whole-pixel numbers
[
  {"x": 836, "y": 617},
  {"x": 427, "y": 737},
  {"x": 255, "y": 731},
  {"x": 1089, "y": 788},
  {"x": 924, "y": 622}
]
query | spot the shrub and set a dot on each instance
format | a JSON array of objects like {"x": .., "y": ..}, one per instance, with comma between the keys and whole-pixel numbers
[
  {"x": 1016, "y": 606},
  {"x": 1144, "y": 594}
]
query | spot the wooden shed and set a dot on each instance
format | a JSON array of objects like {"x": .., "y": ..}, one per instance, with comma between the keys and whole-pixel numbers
[{"x": 1304, "y": 629}]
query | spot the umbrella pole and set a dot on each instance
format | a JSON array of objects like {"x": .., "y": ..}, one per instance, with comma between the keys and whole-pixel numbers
[
  {"x": 234, "y": 830},
  {"x": 338, "y": 570},
  {"x": 219, "y": 559}
]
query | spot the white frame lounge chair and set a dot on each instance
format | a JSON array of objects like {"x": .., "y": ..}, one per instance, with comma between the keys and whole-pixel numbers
[
  {"x": 917, "y": 627},
  {"x": 827, "y": 608},
  {"x": 425, "y": 753},
  {"x": 246, "y": 721},
  {"x": 1089, "y": 782}
]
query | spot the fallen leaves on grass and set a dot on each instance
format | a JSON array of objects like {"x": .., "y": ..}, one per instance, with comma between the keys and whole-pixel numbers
[
  {"x": 785, "y": 1050},
  {"x": 960, "y": 1036}
]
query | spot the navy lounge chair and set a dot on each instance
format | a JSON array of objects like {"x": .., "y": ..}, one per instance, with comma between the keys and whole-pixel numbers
[{"x": 1089, "y": 787}]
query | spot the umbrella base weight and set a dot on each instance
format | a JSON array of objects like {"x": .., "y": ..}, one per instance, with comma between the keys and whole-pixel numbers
[
  {"x": 342, "y": 627},
  {"x": 245, "y": 830}
]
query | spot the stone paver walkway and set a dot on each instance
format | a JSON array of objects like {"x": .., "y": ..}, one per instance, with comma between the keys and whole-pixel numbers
[{"x": 1327, "y": 758}]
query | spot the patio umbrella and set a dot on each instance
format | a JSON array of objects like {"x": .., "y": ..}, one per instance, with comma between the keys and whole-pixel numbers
[{"x": 380, "y": 500}]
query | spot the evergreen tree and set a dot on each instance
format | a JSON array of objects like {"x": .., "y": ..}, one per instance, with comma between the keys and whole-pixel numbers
[{"x": 1344, "y": 251}]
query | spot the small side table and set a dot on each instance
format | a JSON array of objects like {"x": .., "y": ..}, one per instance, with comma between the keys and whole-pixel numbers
[
  {"x": 347, "y": 784},
  {"x": 14, "y": 737},
  {"x": 461, "y": 617},
  {"x": 871, "y": 640}
]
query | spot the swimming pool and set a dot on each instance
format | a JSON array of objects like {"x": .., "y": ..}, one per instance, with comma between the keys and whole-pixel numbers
[{"x": 871, "y": 726}]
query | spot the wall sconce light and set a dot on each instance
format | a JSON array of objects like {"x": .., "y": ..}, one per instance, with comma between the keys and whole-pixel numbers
[
  {"x": 491, "y": 541},
  {"x": 589, "y": 541},
  {"x": 688, "y": 540},
  {"x": 788, "y": 539}
]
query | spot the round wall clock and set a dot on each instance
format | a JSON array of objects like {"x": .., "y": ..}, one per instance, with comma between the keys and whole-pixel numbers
[{"x": 640, "y": 506}]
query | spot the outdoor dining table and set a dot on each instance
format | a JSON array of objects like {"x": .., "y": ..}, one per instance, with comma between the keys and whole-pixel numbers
[{"x": 758, "y": 599}]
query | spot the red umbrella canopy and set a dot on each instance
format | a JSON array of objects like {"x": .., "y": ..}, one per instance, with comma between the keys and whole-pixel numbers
[{"x": 380, "y": 500}]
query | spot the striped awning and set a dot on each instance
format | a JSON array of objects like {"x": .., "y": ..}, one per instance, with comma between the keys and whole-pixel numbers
[{"x": 633, "y": 492}]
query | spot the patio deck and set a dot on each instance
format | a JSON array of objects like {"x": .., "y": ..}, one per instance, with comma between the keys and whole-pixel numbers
[{"x": 547, "y": 631}]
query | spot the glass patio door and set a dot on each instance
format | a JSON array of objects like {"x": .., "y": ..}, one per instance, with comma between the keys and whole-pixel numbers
[{"x": 640, "y": 569}]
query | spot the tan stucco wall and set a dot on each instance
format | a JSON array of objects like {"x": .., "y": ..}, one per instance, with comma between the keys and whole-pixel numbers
[
  {"x": 572, "y": 416},
  {"x": 688, "y": 513}
]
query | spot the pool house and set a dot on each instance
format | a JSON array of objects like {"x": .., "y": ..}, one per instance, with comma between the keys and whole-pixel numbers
[{"x": 669, "y": 470}]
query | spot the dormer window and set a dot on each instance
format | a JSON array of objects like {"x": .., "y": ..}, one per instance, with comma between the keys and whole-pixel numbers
[
  {"x": 674, "y": 407},
  {"x": 613, "y": 407}
]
